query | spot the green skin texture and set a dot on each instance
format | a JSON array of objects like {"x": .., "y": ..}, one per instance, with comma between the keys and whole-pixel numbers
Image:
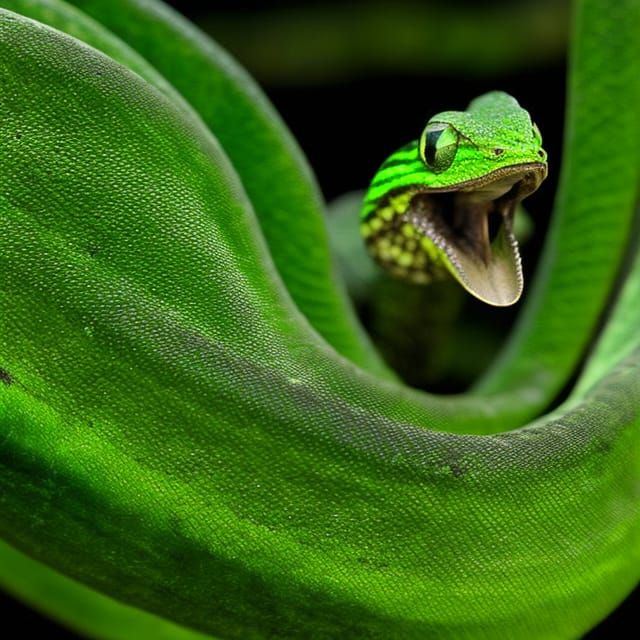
[
  {"x": 178, "y": 435},
  {"x": 493, "y": 121}
]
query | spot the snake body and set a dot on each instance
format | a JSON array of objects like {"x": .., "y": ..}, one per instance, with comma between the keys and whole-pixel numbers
[{"x": 186, "y": 430}]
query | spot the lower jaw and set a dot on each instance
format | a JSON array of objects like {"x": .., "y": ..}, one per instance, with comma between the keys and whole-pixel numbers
[
  {"x": 427, "y": 243},
  {"x": 426, "y": 234},
  {"x": 483, "y": 257}
]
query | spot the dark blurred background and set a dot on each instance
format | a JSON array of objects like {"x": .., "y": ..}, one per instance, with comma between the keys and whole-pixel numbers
[{"x": 355, "y": 80}]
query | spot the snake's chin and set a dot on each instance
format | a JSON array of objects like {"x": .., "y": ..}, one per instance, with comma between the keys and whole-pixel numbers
[{"x": 473, "y": 226}]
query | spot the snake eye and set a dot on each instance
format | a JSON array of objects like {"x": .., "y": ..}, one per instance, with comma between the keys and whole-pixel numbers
[{"x": 438, "y": 146}]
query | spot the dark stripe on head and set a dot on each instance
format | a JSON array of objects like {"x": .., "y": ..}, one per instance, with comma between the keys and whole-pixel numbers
[
  {"x": 394, "y": 178},
  {"x": 396, "y": 162}
]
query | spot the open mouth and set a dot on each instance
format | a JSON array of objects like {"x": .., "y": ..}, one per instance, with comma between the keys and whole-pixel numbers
[{"x": 473, "y": 226}]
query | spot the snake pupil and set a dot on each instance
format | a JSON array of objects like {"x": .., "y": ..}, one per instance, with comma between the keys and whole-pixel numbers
[
  {"x": 438, "y": 146},
  {"x": 430, "y": 147}
]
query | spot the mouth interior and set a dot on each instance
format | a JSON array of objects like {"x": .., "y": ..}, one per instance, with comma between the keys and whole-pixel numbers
[{"x": 473, "y": 227}]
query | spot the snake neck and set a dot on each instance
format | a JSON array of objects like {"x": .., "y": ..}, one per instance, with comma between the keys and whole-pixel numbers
[{"x": 397, "y": 245}]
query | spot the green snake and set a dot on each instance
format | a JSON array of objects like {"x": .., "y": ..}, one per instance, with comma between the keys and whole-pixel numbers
[
  {"x": 192, "y": 422},
  {"x": 445, "y": 204}
]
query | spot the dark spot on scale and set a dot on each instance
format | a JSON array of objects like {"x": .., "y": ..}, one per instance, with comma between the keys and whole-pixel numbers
[
  {"x": 372, "y": 562},
  {"x": 603, "y": 446},
  {"x": 6, "y": 377},
  {"x": 18, "y": 135},
  {"x": 93, "y": 250},
  {"x": 456, "y": 470}
]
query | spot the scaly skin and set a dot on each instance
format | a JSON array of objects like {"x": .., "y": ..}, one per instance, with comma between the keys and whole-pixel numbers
[
  {"x": 175, "y": 435},
  {"x": 568, "y": 294}
]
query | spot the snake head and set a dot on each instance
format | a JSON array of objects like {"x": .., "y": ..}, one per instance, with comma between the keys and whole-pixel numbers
[{"x": 444, "y": 205}]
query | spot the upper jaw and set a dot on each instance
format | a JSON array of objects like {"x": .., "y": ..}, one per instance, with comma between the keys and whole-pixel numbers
[
  {"x": 472, "y": 225},
  {"x": 526, "y": 177}
]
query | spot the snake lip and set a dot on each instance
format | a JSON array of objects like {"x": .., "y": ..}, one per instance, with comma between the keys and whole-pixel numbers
[{"x": 472, "y": 223}]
